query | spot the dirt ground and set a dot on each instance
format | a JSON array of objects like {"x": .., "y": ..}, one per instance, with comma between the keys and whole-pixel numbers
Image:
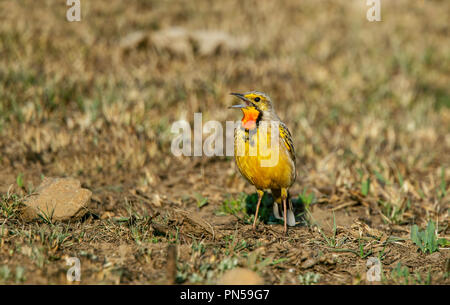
[{"x": 367, "y": 103}]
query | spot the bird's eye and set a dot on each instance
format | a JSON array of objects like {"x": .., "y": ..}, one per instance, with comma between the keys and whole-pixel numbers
[{"x": 257, "y": 99}]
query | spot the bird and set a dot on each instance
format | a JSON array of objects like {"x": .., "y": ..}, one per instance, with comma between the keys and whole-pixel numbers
[{"x": 253, "y": 146}]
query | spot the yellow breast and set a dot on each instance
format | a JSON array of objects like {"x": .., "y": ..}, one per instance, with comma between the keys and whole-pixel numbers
[{"x": 263, "y": 159}]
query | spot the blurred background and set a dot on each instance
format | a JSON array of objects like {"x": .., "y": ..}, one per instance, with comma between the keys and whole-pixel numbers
[{"x": 95, "y": 99}]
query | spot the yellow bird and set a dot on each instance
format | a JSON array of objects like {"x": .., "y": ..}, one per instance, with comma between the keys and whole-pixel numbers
[{"x": 264, "y": 152}]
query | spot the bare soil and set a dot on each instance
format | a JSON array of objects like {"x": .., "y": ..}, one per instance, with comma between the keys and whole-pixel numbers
[{"x": 367, "y": 104}]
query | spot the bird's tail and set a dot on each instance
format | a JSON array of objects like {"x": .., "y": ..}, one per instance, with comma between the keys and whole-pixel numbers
[{"x": 278, "y": 210}]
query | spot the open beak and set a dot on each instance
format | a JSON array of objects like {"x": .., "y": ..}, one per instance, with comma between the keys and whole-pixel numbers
[{"x": 242, "y": 97}]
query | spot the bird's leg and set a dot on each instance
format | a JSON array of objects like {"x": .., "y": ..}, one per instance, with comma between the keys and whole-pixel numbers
[
  {"x": 284, "y": 196},
  {"x": 260, "y": 195}
]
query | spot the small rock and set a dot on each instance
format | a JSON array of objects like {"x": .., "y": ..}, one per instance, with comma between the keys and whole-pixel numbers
[
  {"x": 133, "y": 40},
  {"x": 57, "y": 198},
  {"x": 174, "y": 40},
  {"x": 435, "y": 257},
  {"x": 26, "y": 250},
  {"x": 309, "y": 263},
  {"x": 240, "y": 276},
  {"x": 107, "y": 215},
  {"x": 214, "y": 42},
  {"x": 184, "y": 43},
  {"x": 156, "y": 200}
]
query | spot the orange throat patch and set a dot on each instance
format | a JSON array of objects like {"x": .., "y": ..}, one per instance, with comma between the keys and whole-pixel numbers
[{"x": 250, "y": 117}]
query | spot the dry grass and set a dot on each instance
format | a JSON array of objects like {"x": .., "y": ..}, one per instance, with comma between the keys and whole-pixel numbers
[{"x": 364, "y": 101}]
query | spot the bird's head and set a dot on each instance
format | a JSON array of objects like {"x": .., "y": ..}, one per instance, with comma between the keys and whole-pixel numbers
[{"x": 257, "y": 105}]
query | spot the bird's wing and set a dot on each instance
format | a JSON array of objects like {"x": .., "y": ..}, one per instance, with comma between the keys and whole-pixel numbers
[{"x": 287, "y": 139}]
